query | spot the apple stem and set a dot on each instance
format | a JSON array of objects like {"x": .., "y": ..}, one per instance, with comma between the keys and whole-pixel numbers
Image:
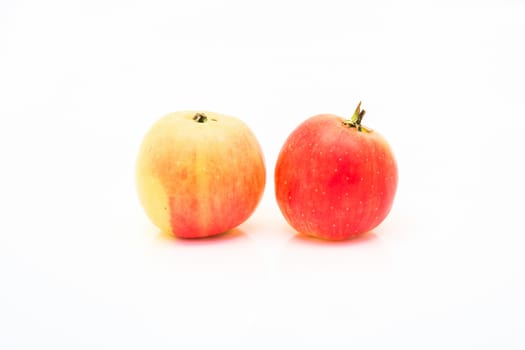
[
  {"x": 200, "y": 118},
  {"x": 355, "y": 121}
]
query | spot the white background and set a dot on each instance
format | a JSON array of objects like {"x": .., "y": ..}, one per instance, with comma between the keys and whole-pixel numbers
[{"x": 81, "y": 267}]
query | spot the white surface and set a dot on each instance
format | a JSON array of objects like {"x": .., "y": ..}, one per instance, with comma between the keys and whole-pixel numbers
[{"x": 81, "y": 267}]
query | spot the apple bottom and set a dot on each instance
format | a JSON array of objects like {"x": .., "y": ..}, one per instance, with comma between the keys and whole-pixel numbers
[
  {"x": 191, "y": 217},
  {"x": 329, "y": 232},
  {"x": 337, "y": 212},
  {"x": 190, "y": 223}
]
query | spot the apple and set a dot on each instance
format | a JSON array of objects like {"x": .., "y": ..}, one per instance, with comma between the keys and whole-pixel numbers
[
  {"x": 335, "y": 178},
  {"x": 199, "y": 174}
]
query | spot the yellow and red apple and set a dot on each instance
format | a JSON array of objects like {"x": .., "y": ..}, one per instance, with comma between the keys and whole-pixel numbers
[{"x": 199, "y": 174}]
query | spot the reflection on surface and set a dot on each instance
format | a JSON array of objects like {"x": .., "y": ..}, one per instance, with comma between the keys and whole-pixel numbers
[
  {"x": 307, "y": 239},
  {"x": 220, "y": 238},
  {"x": 232, "y": 252},
  {"x": 304, "y": 254}
]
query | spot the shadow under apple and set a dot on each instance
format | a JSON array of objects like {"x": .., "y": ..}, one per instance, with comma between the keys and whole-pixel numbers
[
  {"x": 365, "y": 238},
  {"x": 229, "y": 235},
  {"x": 307, "y": 255}
]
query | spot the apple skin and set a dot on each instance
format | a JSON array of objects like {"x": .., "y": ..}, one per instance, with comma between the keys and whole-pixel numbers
[
  {"x": 333, "y": 181},
  {"x": 199, "y": 174}
]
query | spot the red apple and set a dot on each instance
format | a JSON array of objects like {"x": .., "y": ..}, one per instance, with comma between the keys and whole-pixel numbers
[
  {"x": 334, "y": 178},
  {"x": 199, "y": 173}
]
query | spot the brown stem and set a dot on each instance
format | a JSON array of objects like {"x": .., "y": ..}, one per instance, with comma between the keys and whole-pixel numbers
[{"x": 200, "y": 118}]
